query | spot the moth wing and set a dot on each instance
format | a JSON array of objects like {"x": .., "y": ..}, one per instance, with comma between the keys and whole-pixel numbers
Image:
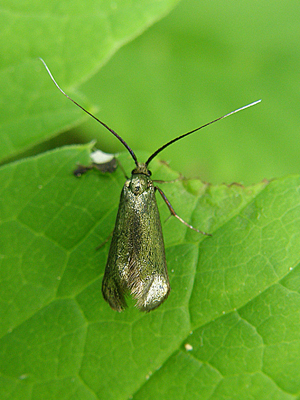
[{"x": 136, "y": 261}]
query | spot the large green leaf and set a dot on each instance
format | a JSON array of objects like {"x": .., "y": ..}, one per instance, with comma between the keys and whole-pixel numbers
[
  {"x": 229, "y": 329},
  {"x": 75, "y": 38}
]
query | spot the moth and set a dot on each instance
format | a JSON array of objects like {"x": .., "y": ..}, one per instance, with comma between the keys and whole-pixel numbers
[{"x": 136, "y": 261}]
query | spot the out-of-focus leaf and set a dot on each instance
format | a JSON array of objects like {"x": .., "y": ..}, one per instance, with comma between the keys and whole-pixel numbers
[{"x": 75, "y": 38}]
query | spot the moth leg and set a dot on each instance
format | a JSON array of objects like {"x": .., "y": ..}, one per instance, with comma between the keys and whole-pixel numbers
[
  {"x": 122, "y": 168},
  {"x": 105, "y": 241},
  {"x": 176, "y": 215}
]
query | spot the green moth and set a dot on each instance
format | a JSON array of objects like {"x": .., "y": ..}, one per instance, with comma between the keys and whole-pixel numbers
[{"x": 136, "y": 261}]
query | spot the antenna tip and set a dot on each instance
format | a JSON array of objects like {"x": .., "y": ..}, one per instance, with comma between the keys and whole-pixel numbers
[
  {"x": 252, "y": 104},
  {"x": 45, "y": 65}
]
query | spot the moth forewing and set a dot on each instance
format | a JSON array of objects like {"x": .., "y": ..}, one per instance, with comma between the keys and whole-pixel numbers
[{"x": 136, "y": 262}]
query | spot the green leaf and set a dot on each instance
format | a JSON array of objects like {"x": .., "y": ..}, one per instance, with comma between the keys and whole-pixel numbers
[
  {"x": 229, "y": 329},
  {"x": 75, "y": 39}
]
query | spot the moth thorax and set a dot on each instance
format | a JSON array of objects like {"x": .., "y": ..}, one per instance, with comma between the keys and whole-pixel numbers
[
  {"x": 139, "y": 183},
  {"x": 141, "y": 168}
]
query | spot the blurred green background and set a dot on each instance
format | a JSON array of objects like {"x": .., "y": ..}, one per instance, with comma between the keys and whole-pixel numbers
[{"x": 201, "y": 61}]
